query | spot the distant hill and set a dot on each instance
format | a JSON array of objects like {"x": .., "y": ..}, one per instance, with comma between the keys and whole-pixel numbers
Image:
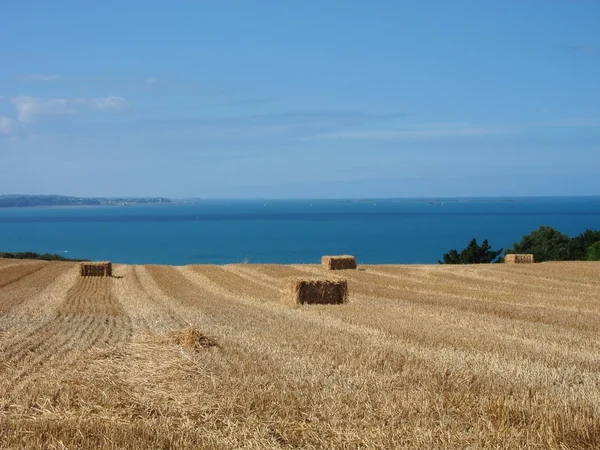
[{"x": 18, "y": 200}]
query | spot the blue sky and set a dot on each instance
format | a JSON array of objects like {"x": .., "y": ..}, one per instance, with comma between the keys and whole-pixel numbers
[{"x": 286, "y": 99}]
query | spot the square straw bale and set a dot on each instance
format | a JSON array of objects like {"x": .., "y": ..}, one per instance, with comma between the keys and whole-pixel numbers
[
  {"x": 338, "y": 262},
  {"x": 315, "y": 291},
  {"x": 519, "y": 258},
  {"x": 95, "y": 269}
]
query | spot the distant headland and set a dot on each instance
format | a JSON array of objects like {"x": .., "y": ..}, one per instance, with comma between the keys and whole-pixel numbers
[{"x": 17, "y": 200}]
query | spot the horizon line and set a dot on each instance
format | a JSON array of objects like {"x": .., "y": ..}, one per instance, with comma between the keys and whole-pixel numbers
[{"x": 432, "y": 197}]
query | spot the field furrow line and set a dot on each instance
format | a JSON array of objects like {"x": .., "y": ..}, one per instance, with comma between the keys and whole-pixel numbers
[
  {"x": 475, "y": 275},
  {"x": 62, "y": 342},
  {"x": 31, "y": 285},
  {"x": 463, "y": 280},
  {"x": 259, "y": 318},
  {"x": 239, "y": 284},
  {"x": 91, "y": 296},
  {"x": 21, "y": 345},
  {"x": 585, "y": 320},
  {"x": 548, "y": 274},
  {"x": 441, "y": 286},
  {"x": 12, "y": 274},
  {"x": 56, "y": 340},
  {"x": 277, "y": 272},
  {"x": 118, "y": 331},
  {"x": 499, "y": 290},
  {"x": 56, "y": 347},
  {"x": 250, "y": 324},
  {"x": 522, "y": 276},
  {"x": 50, "y": 335},
  {"x": 397, "y": 317},
  {"x": 37, "y": 307},
  {"x": 156, "y": 309},
  {"x": 89, "y": 315},
  {"x": 5, "y": 263},
  {"x": 417, "y": 275},
  {"x": 254, "y": 276},
  {"x": 419, "y": 356}
]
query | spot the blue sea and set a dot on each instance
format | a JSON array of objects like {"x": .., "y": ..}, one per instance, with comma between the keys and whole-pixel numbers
[{"x": 288, "y": 231}]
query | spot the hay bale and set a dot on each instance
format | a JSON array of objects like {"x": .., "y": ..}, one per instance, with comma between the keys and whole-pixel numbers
[
  {"x": 339, "y": 262},
  {"x": 95, "y": 269},
  {"x": 519, "y": 258},
  {"x": 315, "y": 291}
]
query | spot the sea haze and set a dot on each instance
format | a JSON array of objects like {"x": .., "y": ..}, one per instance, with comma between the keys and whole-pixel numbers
[{"x": 381, "y": 231}]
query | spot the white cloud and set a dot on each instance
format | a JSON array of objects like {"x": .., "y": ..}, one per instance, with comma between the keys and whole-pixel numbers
[
  {"x": 110, "y": 103},
  {"x": 8, "y": 126},
  {"x": 30, "y": 109},
  {"x": 43, "y": 78},
  {"x": 150, "y": 81}
]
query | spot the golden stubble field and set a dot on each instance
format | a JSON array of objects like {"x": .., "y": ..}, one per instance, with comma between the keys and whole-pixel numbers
[{"x": 489, "y": 356}]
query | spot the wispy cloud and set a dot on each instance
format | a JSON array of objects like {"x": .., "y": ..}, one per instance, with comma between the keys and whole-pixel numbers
[
  {"x": 586, "y": 49},
  {"x": 565, "y": 122},
  {"x": 415, "y": 132},
  {"x": 195, "y": 89},
  {"x": 579, "y": 122},
  {"x": 151, "y": 81},
  {"x": 110, "y": 103},
  {"x": 450, "y": 130},
  {"x": 8, "y": 126},
  {"x": 37, "y": 78},
  {"x": 31, "y": 109},
  {"x": 253, "y": 101},
  {"x": 299, "y": 124}
]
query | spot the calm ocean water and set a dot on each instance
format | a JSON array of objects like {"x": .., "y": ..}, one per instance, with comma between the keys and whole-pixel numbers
[{"x": 290, "y": 231}]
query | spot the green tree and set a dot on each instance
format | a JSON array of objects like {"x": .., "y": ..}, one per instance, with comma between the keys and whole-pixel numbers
[
  {"x": 472, "y": 254},
  {"x": 593, "y": 253},
  {"x": 580, "y": 244},
  {"x": 546, "y": 244}
]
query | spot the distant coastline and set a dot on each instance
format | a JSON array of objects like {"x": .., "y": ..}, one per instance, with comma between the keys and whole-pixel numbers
[
  {"x": 65, "y": 201},
  {"x": 28, "y": 201}
]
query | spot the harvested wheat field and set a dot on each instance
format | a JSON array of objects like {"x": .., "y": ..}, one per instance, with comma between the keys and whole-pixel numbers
[{"x": 487, "y": 356}]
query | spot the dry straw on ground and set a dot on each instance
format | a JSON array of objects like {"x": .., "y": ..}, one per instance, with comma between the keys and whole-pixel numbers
[
  {"x": 95, "y": 269},
  {"x": 338, "y": 262},
  {"x": 188, "y": 337},
  {"x": 315, "y": 290},
  {"x": 479, "y": 356},
  {"x": 516, "y": 258}
]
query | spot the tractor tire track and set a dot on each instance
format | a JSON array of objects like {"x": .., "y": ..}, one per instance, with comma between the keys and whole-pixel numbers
[
  {"x": 89, "y": 316},
  {"x": 145, "y": 304}
]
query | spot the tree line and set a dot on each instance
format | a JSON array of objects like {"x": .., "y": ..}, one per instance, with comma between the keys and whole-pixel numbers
[
  {"x": 545, "y": 243},
  {"x": 40, "y": 256}
]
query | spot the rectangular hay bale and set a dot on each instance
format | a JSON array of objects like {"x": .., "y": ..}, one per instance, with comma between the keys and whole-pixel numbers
[
  {"x": 338, "y": 262},
  {"x": 519, "y": 258},
  {"x": 315, "y": 291},
  {"x": 95, "y": 269}
]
